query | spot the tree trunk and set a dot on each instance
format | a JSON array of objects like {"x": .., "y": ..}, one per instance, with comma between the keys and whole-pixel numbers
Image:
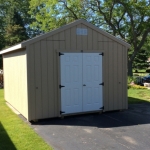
[{"x": 130, "y": 73}]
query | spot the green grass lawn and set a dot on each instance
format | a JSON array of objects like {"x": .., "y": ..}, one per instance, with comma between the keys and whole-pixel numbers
[
  {"x": 15, "y": 134},
  {"x": 138, "y": 95},
  {"x": 140, "y": 73}
]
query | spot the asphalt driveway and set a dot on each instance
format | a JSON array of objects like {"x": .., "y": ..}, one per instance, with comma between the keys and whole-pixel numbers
[{"x": 126, "y": 130}]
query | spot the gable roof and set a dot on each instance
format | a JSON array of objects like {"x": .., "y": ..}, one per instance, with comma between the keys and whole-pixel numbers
[{"x": 43, "y": 36}]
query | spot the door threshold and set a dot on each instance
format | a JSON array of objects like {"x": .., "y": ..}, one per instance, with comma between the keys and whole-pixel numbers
[{"x": 81, "y": 113}]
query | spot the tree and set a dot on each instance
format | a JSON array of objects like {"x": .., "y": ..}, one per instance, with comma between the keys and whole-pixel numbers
[
  {"x": 53, "y": 14},
  {"x": 140, "y": 61},
  {"x": 127, "y": 19},
  {"x": 2, "y": 21},
  {"x": 2, "y": 40},
  {"x": 14, "y": 19},
  {"x": 15, "y": 31}
]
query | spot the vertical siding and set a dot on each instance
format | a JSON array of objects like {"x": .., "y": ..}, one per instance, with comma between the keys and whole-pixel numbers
[
  {"x": 44, "y": 70},
  {"x": 41, "y": 77},
  {"x": 51, "y": 78},
  {"x": 123, "y": 77},
  {"x": 74, "y": 42},
  {"x": 55, "y": 71},
  {"x": 90, "y": 39},
  {"x": 111, "y": 75},
  {"x": 124, "y": 66},
  {"x": 95, "y": 40},
  {"x": 15, "y": 80},
  {"x": 120, "y": 76},
  {"x": 38, "y": 82},
  {"x": 126, "y": 78},
  {"x": 84, "y": 40},
  {"x": 73, "y": 38},
  {"x": 68, "y": 37},
  {"x": 115, "y": 73},
  {"x": 44, "y": 79},
  {"x": 117, "y": 87},
  {"x": 100, "y": 42},
  {"x": 31, "y": 82},
  {"x": 79, "y": 39},
  {"x": 62, "y": 40},
  {"x": 106, "y": 73}
]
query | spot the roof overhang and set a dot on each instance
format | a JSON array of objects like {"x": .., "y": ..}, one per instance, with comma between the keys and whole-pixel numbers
[
  {"x": 38, "y": 38},
  {"x": 13, "y": 48},
  {"x": 55, "y": 31}
]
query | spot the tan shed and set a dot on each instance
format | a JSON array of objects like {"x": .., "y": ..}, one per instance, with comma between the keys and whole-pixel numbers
[{"x": 77, "y": 68}]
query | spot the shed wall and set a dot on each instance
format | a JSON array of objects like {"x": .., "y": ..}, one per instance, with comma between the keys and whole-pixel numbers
[
  {"x": 15, "y": 80},
  {"x": 44, "y": 75}
]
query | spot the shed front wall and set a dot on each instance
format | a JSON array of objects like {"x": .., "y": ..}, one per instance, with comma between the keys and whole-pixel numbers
[
  {"x": 44, "y": 70},
  {"x": 15, "y": 80}
]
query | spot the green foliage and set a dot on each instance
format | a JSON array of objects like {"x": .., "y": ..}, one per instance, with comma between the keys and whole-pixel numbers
[
  {"x": 14, "y": 23},
  {"x": 2, "y": 23},
  {"x": 1, "y": 62},
  {"x": 14, "y": 34},
  {"x": 136, "y": 86},
  {"x": 140, "y": 61},
  {"x": 15, "y": 133},
  {"x": 53, "y": 14},
  {"x": 16, "y": 31},
  {"x": 131, "y": 78},
  {"x": 148, "y": 70},
  {"x": 126, "y": 19}
]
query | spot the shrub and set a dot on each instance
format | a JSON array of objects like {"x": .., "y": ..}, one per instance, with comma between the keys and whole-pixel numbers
[
  {"x": 130, "y": 79},
  {"x": 148, "y": 70},
  {"x": 136, "y": 86},
  {"x": 129, "y": 86}
]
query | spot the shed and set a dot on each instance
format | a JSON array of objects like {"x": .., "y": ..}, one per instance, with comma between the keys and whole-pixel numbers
[{"x": 77, "y": 68}]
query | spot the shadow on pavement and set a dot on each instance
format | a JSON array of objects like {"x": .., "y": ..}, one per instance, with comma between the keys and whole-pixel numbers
[{"x": 136, "y": 114}]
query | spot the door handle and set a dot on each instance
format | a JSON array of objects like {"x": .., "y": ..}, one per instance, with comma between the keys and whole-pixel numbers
[{"x": 84, "y": 85}]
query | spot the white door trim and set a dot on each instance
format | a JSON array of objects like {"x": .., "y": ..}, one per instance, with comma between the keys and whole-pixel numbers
[{"x": 71, "y": 100}]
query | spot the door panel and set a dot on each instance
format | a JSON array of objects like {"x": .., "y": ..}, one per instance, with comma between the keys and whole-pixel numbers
[
  {"x": 71, "y": 78},
  {"x": 81, "y": 74},
  {"x": 92, "y": 77}
]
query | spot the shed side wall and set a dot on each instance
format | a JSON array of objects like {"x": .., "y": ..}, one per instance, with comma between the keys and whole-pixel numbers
[
  {"x": 15, "y": 80},
  {"x": 41, "y": 85},
  {"x": 44, "y": 75}
]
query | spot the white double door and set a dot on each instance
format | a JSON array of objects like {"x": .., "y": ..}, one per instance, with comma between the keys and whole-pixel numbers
[{"x": 81, "y": 76}]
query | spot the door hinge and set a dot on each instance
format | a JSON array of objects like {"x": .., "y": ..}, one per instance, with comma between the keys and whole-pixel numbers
[
  {"x": 62, "y": 112},
  {"x": 102, "y": 84},
  {"x": 102, "y": 107},
  {"x": 60, "y": 86},
  {"x": 60, "y": 54},
  {"x": 102, "y": 54}
]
